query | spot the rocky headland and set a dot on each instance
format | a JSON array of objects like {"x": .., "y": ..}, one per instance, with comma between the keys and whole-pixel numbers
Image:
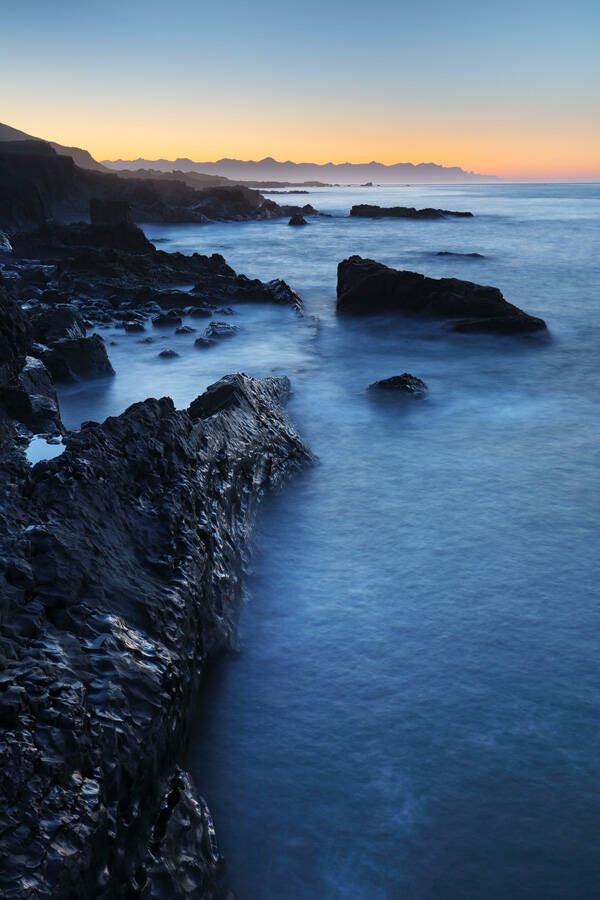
[
  {"x": 365, "y": 286},
  {"x": 37, "y": 184}
]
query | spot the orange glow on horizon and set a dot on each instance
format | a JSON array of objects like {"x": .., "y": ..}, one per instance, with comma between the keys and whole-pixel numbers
[{"x": 540, "y": 151}]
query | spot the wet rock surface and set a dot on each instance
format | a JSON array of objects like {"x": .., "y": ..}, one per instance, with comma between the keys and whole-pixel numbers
[
  {"x": 120, "y": 566},
  {"x": 297, "y": 220},
  {"x": 368, "y": 211},
  {"x": 403, "y": 384},
  {"x": 365, "y": 286}
]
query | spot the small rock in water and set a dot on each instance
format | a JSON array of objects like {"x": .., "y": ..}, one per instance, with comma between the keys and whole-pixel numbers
[
  {"x": 199, "y": 312},
  {"x": 184, "y": 329},
  {"x": 219, "y": 330},
  {"x": 146, "y": 340},
  {"x": 132, "y": 327},
  {"x": 405, "y": 383},
  {"x": 297, "y": 219},
  {"x": 203, "y": 342},
  {"x": 168, "y": 353}
]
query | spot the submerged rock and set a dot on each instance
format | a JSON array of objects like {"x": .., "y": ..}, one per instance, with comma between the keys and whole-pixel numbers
[
  {"x": 405, "y": 384},
  {"x": 368, "y": 211},
  {"x": 456, "y": 253},
  {"x": 120, "y": 578},
  {"x": 365, "y": 286},
  {"x": 168, "y": 353}
]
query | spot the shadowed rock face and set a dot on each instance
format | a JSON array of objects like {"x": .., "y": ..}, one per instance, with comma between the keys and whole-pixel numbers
[
  {"x": 365, "y": 286},
  {"x": 120, "y": 566},
  {"x": 367, "y": 211}
]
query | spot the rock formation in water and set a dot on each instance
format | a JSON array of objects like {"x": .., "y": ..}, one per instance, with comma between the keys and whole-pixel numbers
[
  {"x": 367, "y": 211},
  {"x": 365, "y": 286},
  {"x": 120, "y": 565},
  {"x": 297, "y": 220},
  {"x": 403, "y": 384}
]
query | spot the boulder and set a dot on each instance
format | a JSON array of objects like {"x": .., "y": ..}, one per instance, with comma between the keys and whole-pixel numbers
[
  {"x": 32, "y": 400},
  {"x": 72, "y": 359},
  {"x": 220, "y": 330},
  {"x": 297, "y": 219},
  {"x": 365, "y": 286},
  {"x": 405, "y": 384},
  {"x": 368, "y": 211},
  {"x": 62, "y": 321},
  {"x": 167, "y": 353},
  {"x": 166, "y": 318}
]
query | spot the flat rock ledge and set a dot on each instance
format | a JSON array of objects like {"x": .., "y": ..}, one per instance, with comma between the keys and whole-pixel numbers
[
  {"x": 365, "y": 286},
  {"x": 120, "y": 578},
  {"x": 369, "y": 211}
]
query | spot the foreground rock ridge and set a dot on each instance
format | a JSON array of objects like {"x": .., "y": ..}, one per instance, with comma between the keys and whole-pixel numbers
[
  {"x": 120, "y": 566},
  {"x": 366, "y": 286}
]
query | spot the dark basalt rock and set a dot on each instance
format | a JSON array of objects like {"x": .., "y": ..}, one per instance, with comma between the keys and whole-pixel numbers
[
  {"x": 367, "y": 211},
  {"x": 185, "y": 329},
  {"x": 15, "y": 337},
  {"x": 73, "y": 359},
  {"x": 31, "y": 399},
  {"x": 203, "y": 343},
  {"x": 168, "y": 353},
  {"x": 220, "y": 330},
  {"x": 62, "y": 321},
  {"x": 120, "y": 565},
  {"x": 134, "y": 327},
  {"x": 365, "y": 286},
  {"x": 405, "y": 384},
  {"x": 297, "y": 220}
]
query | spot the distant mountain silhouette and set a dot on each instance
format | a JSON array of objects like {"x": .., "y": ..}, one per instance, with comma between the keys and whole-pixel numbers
[
  {"x": 82, "y": 158},
  {"x": 270, "y": 169}
]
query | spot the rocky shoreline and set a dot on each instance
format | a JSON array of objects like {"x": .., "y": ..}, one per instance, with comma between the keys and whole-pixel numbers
[{"x": 120, "y": 567}]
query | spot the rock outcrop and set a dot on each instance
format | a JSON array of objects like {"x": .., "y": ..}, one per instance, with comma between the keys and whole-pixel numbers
[
  {"x": 297, "y": 220},
  {"x": 120, "y": 564},
  {"x": 404, "y": 384},
  {"x": 368, "y": 211},
  {"x": 365, "y": 286}
]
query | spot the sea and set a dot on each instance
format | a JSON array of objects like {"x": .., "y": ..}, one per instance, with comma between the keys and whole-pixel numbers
[{"x": 412, "y": 708}]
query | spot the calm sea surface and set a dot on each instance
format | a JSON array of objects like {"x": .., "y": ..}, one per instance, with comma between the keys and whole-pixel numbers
[{"x": 414, "y": 710}]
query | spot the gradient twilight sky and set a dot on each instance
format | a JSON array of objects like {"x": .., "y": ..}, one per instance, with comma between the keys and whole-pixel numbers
[{"x": 511, "y": 89}]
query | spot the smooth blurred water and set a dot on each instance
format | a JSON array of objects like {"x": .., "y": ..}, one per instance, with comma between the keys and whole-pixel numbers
[{"x": 414, "y": 709}]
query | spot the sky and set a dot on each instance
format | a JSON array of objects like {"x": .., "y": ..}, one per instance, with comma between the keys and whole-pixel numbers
[{"x": 510, "y": 89}]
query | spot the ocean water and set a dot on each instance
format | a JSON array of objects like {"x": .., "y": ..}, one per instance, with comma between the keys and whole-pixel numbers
[{"x": 413, "y": 708}]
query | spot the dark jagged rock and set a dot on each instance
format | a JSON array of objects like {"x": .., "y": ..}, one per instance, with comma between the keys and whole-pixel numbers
[
  {"x": 405, "y": 384},
  {"x": 367, "y": 211},
  {"x": 167, "y": 353},
  {"x": 365, "y": 286},
  {"x": 184, "y": 329},
  {"x": 15, "y": 337},
  {"x": 31, "y": 398},
  {"x": 220, "y": 330},
  {"x": 62, "y": 321},
  {"x": 72, "y": 359},
  {"x": 99, "y": 262},
  {"x": 120, "y": 564},
  {"x": 297, "y": 220},
  {"x": 203, "y": 343}
]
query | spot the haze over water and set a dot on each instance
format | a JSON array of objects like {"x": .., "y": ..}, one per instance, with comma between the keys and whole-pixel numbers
[{"x": 413, "y": 710}]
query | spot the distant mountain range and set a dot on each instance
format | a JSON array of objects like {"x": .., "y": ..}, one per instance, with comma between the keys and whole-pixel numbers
[
  {"x": 266, "y": 170},
  {"x": 270, "y": 169}
]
